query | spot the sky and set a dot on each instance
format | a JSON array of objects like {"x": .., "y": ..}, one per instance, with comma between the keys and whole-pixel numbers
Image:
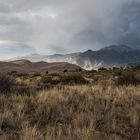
[{"x": 65, "y": 26}]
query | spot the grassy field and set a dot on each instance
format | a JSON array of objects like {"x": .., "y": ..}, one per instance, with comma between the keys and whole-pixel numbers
[{"x": 103, "y": 105}]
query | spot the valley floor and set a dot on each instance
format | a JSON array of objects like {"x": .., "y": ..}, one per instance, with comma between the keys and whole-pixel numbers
[{"x": 86, "y": 112}]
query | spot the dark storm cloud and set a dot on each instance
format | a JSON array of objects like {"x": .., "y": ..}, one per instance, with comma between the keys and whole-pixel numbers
[
  {"x": 53, "y": 26},
  {"x": 121, "y": 26},
  {"x": 130, "y": 24}
]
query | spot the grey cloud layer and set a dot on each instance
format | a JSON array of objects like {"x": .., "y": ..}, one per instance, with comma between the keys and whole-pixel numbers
[
  {"x": 53, "y": 26},
  {"x": 9, "y": 49}
]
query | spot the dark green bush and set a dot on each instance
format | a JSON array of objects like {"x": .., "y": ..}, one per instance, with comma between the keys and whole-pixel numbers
[
  {"x": 118, "y": 73},
  {"x": 65, "y": 71},
  {"x": 115, "y": 68},
  {"x": 73, "y": 79},
  {"x": 68, "y": 78},
  {"x": 102, "y": 69},
  {"x": 128, "y": 78},
  {"x": 47, "y": 72},
  {"x": 49, "y": 80},
  {"x": 6, "y": 83}
]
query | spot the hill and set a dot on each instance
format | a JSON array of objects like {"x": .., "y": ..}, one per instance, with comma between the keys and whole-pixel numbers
[{"x": 26, "y": 66}]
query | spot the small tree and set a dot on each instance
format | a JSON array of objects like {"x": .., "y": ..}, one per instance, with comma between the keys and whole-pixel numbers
[{"x": 65, "y": 70}]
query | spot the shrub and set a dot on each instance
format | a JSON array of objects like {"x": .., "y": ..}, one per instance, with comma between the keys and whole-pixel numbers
[
  {"x": 118, "y": 73},
  {"x": 128, "y": 78},
  {"x": 12, "y": 73},
  {"x": 49, "y": 80},
  {"x": 116, "y": 68},
  {"x": 73, "y": 79},
  {"x": 47, "y": 72},
  {"x": 102, "y": 69},
  {"x": 6, "y": 83},
  {"x": 65, "y": 70},
  {"x": 36, "y": 74},
  {"x": 22, "y": 74}
]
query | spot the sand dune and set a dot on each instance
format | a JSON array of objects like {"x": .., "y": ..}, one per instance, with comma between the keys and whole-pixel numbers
[{"x": 25, "y": 66}]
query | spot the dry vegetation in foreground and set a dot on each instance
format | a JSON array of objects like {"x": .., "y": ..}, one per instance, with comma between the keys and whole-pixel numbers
[
  {"x": 93, "y": 111},
  {"x": 72, "y": 113}
]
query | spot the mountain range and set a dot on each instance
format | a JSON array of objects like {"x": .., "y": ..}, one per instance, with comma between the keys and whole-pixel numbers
[{"x": 114, "y": 55}]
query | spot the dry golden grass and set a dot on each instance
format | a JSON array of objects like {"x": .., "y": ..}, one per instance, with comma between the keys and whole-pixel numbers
[{"x": 72, "y": 113}]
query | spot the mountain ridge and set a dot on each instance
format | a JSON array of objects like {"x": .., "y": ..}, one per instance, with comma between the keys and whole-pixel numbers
[{"x": 113, "y": 55}]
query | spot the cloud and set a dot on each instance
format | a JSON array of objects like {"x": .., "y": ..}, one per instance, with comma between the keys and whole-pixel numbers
[
  {"x": 53, "y": 26},
  {"x": 9, "y": 49}
]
